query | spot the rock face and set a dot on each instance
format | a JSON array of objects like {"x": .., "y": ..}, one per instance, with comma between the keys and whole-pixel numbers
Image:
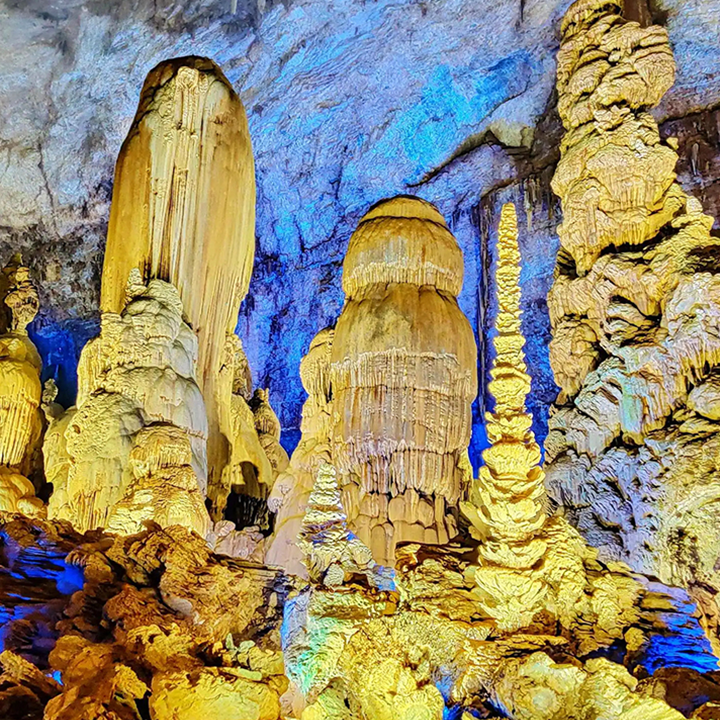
[
  {"x": 632, "y": 443},
  {"x": 148, "y": 624}
]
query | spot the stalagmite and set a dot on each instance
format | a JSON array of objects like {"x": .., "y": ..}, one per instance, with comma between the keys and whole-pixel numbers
[
  {"x": 183, "y": 211},
  {"x": 268, "y": 430},
  {"x": 507, "y": 502},
  {"x": 403, "y": 376},
  {"x": 529, "y": 566},
  {"x": 522, "y": 619},
  {"x": 290, "y": 494},
  {"x": 256, "y": 458},
  {"x": 423, "y": 593},
  {"x": 330, "y": 551},
  {"x": 633, "y": 439},
  {"x": 20, "y": 393},
  {"x": 134, "y": 447},
  {"x": 164, "y": 488}
]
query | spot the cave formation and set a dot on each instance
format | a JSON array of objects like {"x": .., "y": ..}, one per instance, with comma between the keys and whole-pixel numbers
[{"x": 168, "y": 554}]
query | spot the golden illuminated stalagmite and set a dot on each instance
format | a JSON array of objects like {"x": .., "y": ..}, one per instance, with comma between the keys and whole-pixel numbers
[
  {"x": 290, "y": 494},
  {"x": 331, "y": 553},
  {"x": 634, "y": 438},
  {"x": 508, "y": 498},
  {"x": 248, "y": 470},
  {"x": 183, "y": 211},
  {"x": 20, "y": 392},
  {"x": 133, "y": 449},
  {"x": 256, "y": 459},
  {"x": 403, "y": 377},
  {"x": 530, "y": 567}
]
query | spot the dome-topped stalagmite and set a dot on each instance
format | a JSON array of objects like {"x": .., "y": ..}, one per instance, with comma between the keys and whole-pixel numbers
[
  {"x": 403, "y": 377},
  {"x": 402, "y": 240}
]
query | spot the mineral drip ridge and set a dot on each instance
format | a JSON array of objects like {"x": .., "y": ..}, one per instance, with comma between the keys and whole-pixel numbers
[{"x": 164, "y": 558}]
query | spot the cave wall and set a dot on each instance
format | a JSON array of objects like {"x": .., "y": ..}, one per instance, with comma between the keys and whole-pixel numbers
[{"x": 349, "y": 101}]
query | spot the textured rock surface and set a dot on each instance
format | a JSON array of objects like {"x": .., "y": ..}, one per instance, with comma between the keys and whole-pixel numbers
[
  {"x": 150, "y": 614},
  {"x": 635, "y": 312},
  {"x": 402, "y": 378},
  {"x": 134, "y": 447},
  {"x": 347, "y": 102}
]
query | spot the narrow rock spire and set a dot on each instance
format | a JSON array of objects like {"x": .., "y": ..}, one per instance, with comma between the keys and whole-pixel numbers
[
  {"x": 507, "y": 503},
  {"x": 330, "y": 550}
]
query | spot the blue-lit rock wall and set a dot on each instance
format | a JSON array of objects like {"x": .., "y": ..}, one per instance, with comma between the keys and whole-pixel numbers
[{"x": 349, "y": 101}]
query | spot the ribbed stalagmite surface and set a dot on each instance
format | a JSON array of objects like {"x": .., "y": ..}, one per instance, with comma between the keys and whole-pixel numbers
[
  {"x": 509, "y": 496},
  {"x": 183, "y": 211},
  {"x": 403, "y": 376},
  {"x": 20, "y": 392},
  {"x": 633, "y": 441}
]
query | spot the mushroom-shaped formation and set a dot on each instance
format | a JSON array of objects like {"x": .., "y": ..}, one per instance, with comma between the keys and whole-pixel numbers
[{"x": 403, "y": 377}]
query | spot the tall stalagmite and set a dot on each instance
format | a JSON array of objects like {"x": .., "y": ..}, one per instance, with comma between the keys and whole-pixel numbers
[
  {"x": 183, "y": 211},
  {"x": 403, "y": 376},
  {"x": 509, "y": 497},
  {"x": 20, "y": 392},
  {"x": 634, "y": 439}
]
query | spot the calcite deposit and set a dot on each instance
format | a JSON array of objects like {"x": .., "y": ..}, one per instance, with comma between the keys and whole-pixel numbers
[
  {"x": 402, "y": 378},
  {"x": 163, "y": 558},
  {"x": 137, "y": 436},
  {"x": 291, "y": 491},
  {"x": 188, "y": 147},
  {"x": 632, "y": 443},
  {"x": 21, "y": 421}
]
